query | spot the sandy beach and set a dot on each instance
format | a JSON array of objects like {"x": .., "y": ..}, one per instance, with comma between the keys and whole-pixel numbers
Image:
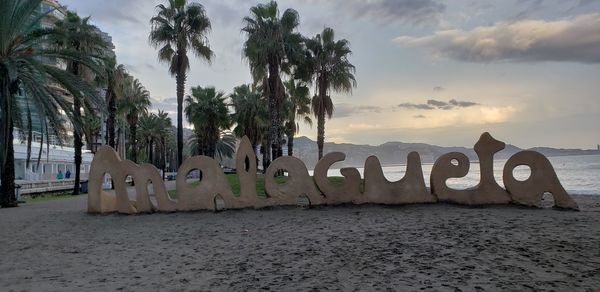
[{"x": 55, "y": 245}]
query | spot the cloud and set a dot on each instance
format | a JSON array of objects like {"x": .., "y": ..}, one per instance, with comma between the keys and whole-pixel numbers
[
  {"x": 405, "y": 11},
  {"x": 167, "y": 104},
  {"x": 110, "y": 10},
  {"x": 438, "y": 89},
  {"x": 570, "y": 40},
  {"x": 583, "y": 3},
  {"x": 139, "y": 67},
  {"x": 417, "y": 12},
  {"x": 419, "y": 116},
  {"x": 345, "y": 110},
  {"x": 531, "y": 6},
  {"x": 408, "y": 105},
  {"x": 457, "y": 103},
  {"x": 438, "y": 104}
]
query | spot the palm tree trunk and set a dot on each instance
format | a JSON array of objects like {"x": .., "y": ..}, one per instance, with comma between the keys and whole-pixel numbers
[
  {"x": 274, "y": 110},
  {"x": 7, "y": 189},
  {"x": 180, "y": 78},
  {"x": 321, "y": 115},
  {"x": 7, "y": 163},
  {"x": 211, "y": 146},
  {"x": 132, "y": 132},
  {"x": 78, "y": 144},
  {"x": 321, "y": 132},
  {"x": 290, "y": 145},
  {"x": 163, "y": 157},
  {"x": 150, "y": 152},
  {"x": 118, "y": 140},
  {"x": 265, "y": 159},
  {"x": 200, "y": 147},
  {"x": 110, "y": 120}
]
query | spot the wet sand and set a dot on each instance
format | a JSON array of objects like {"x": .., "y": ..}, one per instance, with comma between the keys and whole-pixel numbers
[{"x": 57, "y": 246}]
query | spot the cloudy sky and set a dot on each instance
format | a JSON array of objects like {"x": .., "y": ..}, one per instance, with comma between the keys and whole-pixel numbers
[{"x": 432, "y": 71}]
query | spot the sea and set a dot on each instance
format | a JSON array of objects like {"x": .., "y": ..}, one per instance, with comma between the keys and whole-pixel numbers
[{"x": 578, "y": 174}]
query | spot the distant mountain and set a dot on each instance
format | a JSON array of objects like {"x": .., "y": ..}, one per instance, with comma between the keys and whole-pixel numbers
[{"x": 396, "y": 152}]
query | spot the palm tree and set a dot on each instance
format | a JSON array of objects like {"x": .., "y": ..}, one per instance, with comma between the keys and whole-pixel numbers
[
  {"x": 207, "y": 111},
  {"x": 164, "y": 138},
  {"x": 79, "y": 35},
  {"x": 91, "y": 128},
  {"x": 225, "y": 146},
  {"x": 271, "y": 48},
  {"x": 27, "y": 83},
  {"x": 251, "y": 114},
  {"x": 113, "y": 75},
  {"x": 154, "y": 129},
  {"x": 331, "y": 70},
  {"x": 296, "y": 106},
  {"x": 134, "y": 102},
  {"x": 180, "y": 27},
  {"x": 148, "y": 133}
]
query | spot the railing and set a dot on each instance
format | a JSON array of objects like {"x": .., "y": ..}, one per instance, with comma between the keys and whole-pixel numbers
[{"x": 45, "y": 186}]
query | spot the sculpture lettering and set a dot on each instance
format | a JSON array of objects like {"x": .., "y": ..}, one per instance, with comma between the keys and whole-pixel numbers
[{"x": 319, "y": 190}]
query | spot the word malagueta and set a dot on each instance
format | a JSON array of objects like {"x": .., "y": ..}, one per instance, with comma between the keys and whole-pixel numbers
[{"x": 318, "y": 189}]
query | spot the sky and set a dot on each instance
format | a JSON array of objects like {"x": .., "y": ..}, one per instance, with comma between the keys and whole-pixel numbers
[{"x": 431, "y": 71}]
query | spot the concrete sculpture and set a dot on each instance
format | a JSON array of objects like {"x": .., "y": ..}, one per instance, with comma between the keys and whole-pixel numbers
[
  {"x": 245, "y": 162},
  {"x": 348, "y": 191},
  {"x": 486, "y": 192},
  {"x": 410, "y": 189},
  {"x": 319, "y": 190},
  {"x": 542, "y": 179},
  {"x": 102, "y": 202},
  {"x": 298, "y": 183}
]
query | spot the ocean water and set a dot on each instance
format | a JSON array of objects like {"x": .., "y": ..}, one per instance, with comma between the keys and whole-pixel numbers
[{"x": 578, "y": 174}]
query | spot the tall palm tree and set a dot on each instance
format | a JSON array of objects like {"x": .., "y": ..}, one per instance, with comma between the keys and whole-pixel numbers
[
  {"x": 298, "y": 105},
  {"x": 27, "y": 84},
  {"x": 79, "y": 35},
  {"x": 207, "y": 111},
  {"x": 331, "y": 70},
  {"x": 272, "y": 46},
  {"x": 177, "y": 28},
  {"x": 134, "y": 102}
]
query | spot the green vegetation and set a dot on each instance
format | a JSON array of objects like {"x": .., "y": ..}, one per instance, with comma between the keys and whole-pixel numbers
[
  {"x": 48, "y": 197},
  {"x": 206, "y": 109},
  {"x": 260, "y": 184},
  {"x": 231, "y": 178}
]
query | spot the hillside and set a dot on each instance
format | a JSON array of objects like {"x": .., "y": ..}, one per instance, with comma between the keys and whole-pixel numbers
[{"x": 396, "y": 152}]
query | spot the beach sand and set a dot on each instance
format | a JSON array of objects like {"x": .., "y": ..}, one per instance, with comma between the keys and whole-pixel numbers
[{"x": 57, "y": 246}]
